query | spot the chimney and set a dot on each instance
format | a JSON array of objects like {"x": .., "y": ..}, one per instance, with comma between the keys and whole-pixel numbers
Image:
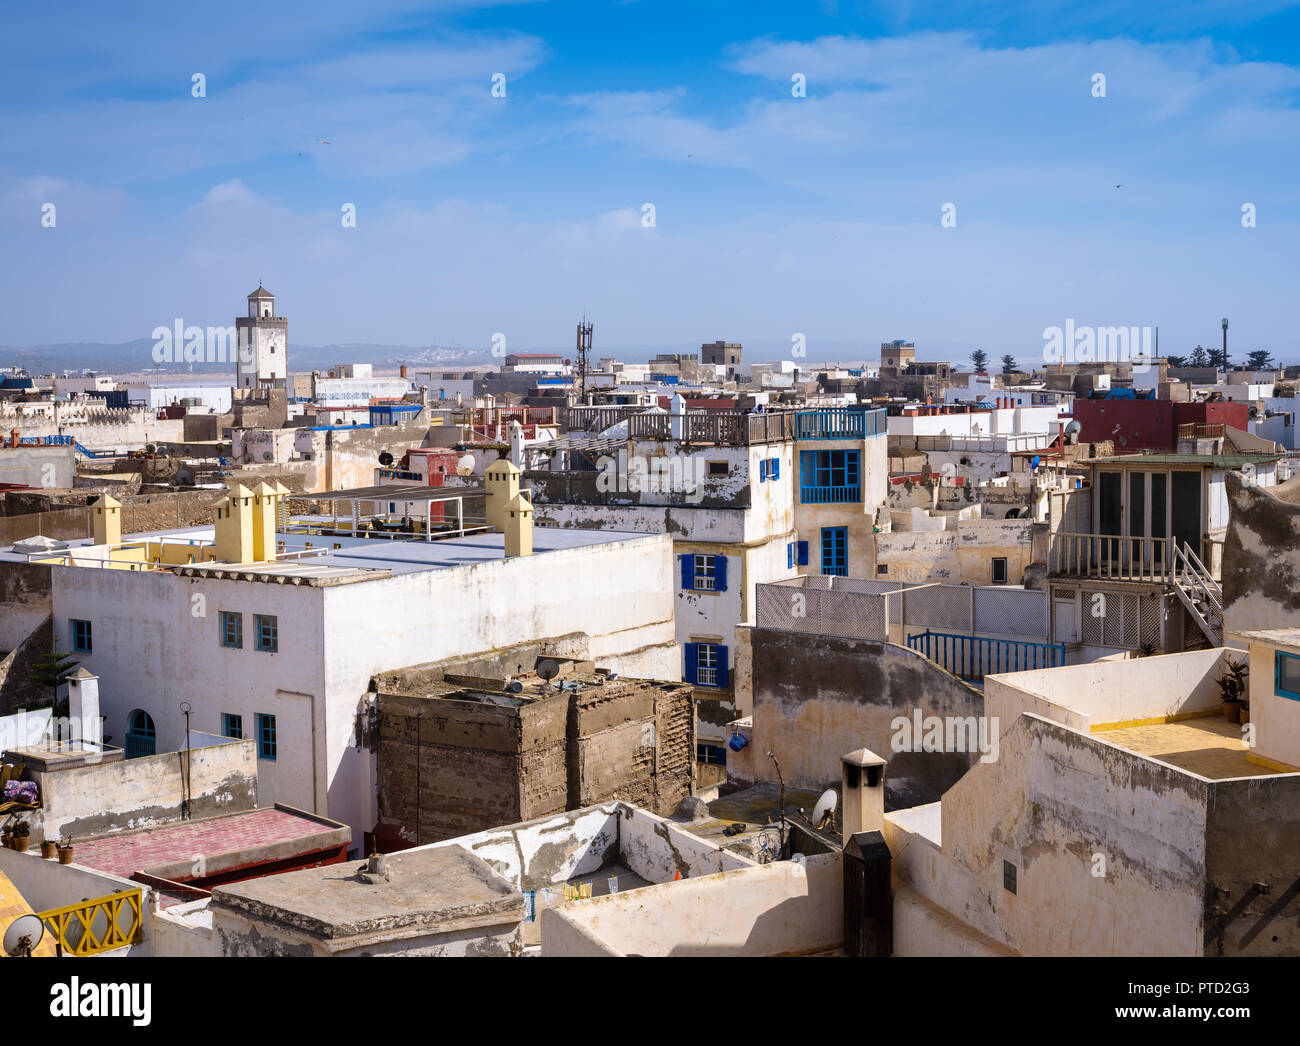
[
  {"x": 83, "y": 707},
  {"x": 519, "y": 527},
  {"x": 234, "y": 527},
  {"x": 502, "y": 488},
  {"x": 265, "y": 500},
  {"x": 106, "y": 520},
  {"x": 863, "y": 791},
  {"x": 402, "y": 372}
]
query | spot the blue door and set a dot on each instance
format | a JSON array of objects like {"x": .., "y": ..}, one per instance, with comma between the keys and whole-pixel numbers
[
  {"x": 141, "y": 738},
  {"x": 835, "y": 551}
]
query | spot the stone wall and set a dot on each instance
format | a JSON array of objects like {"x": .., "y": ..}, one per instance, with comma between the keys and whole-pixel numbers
[{"x": 479, "y": 765}]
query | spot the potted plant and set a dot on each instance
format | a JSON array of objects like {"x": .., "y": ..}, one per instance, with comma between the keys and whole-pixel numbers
[
  {"x": 65, "y": 851},
  {"x": 7, "y": 836},
  {"x": 49, "y": 849},
  {"x": 1232, "y": 688},
  {"x": 22, "y": 836}
]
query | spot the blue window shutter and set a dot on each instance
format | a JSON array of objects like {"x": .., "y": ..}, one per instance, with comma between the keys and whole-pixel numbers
[
  {"x": 690, "y": 662},
  {"x": 789, "y": 555},
  {"x": 720, "y": 573},
  {"x": 776, "y": 468},
  {"x": 688, "y": 571},
  {"x": 803, "y": 553},
  {"x": 762, "y": 471},
  {"x": 723, "y": 671}
]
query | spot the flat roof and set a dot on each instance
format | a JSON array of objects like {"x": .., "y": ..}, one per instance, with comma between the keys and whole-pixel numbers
[
  {"x": 1282, "y": 638},
  {"x": 1218, "y": 461},
  {"x": 362, "y": 559},
  {"x": 257, "y": 835},
  {"x": 432, "y": 890}
]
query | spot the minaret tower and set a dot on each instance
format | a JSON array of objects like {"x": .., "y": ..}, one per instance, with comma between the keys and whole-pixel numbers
[{"x": 263, "y": 344}]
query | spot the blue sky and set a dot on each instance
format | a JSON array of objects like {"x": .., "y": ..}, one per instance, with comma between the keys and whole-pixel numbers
[{"x": 773, "y": 214}]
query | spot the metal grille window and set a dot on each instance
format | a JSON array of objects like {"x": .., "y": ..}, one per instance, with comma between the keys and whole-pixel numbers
[
  {"x": 232, "y": 629},
  {"x": 1008, "y": 876},
  {"x": 268, "y": 632},
  {"x": 835, "y": 551},
  {"x": 266, "y": 745},
  {"x": 81, "y": 638},
  {"x": 706, "y": 664}
]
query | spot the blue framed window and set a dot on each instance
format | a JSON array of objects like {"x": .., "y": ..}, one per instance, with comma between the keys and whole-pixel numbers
[
  {"x": 796, "y": 554},
  {"x": 265, "y": 736},
  {"x": 706, "y": 664},
  {"x": 232, "y": 629},
  {"x": 830, "y": 477},
  {"x": 1286, "y": 675},
  {"x": 835, "y": 551},
  {"x": 81, "y": 638},
  {"x": 705, "y": 573},
  {"x": 714, "y": 755},
  {"x": 232, "y": 725},
  {"x": 789, "y": 555},
  {"x": 769, "y": 468},
  {"x": 268, "y": 632}
]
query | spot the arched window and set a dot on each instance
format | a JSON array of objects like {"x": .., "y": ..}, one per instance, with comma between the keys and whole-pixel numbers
[{"x": 141, "y": 737}]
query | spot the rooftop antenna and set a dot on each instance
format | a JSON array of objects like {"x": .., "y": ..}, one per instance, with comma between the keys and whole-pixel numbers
[{"x": 584, "y": 347}]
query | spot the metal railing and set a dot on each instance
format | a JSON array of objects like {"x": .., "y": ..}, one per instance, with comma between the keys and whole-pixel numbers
[
  {"x": 840, "y": 423},
  {"x": 973, "y": 657},
  {"x": 93, "y": 927},
  {"x": 842, "y": 495}
]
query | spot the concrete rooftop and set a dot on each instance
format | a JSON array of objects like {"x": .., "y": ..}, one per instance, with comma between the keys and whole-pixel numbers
[
  {"x": 1208, "y": 746},
  {"x": 431, "y": 891},
  {"x": 227, "y": 841},
  {"x": 356, "y": 559}
]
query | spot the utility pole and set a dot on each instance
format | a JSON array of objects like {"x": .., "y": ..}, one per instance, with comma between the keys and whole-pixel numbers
[{"x": 1225, "y": 343}]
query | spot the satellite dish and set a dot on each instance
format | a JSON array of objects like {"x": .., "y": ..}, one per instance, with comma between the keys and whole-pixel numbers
[
  {"x": 183, "y": 478},
  {"x": 1034, "y": 461},
  {"x": 385, "y": 459},
  {"x": 825, "y": 807},
  {"x": 548, "y": 669},
  {"x": 514, "y": 687},
  {"x": 23, "y": 935},
  {"x": 465, "y": 466}
]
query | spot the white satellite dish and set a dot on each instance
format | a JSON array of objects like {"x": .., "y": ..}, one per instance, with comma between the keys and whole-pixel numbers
[
  {"x": 23, "y": 935},
  {"x": 465, "y": 466},
  {"x": 825, "y": 807}
]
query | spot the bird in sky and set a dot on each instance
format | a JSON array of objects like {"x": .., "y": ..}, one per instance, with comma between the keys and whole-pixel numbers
[{"x": 322, "y": 141}]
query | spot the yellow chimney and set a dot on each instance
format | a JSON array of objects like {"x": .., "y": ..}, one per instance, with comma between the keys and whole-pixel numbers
[
  {"x": 106, "y": 520},
  {"x": 234, "y": 527},
  {"x": 519, "y": 527},
  {"x": 264, "y": 499},
  {"x": 502, "y": 488}
]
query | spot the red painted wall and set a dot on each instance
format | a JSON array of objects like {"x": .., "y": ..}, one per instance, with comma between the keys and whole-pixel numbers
[{"x": 1134, "y": 425}]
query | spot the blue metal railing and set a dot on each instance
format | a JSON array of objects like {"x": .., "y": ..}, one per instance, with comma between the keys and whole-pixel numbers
[
  {"x": 55, "y": 441},
  {"x": 974, "y": 657},
  {"x": 844, "y": 495},
  {"x": 840, "y": 423}
]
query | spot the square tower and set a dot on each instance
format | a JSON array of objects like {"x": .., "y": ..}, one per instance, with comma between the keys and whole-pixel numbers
[{"x": 263, "y": 344}]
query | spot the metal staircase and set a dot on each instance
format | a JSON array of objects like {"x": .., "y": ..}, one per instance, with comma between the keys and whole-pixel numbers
[{"x": 1199, "y": 592}]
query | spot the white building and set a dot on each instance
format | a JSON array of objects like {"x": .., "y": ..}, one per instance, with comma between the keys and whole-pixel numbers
[
  {"x": 263, "y": 341},
  {"x": 283, "y": 651}
]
